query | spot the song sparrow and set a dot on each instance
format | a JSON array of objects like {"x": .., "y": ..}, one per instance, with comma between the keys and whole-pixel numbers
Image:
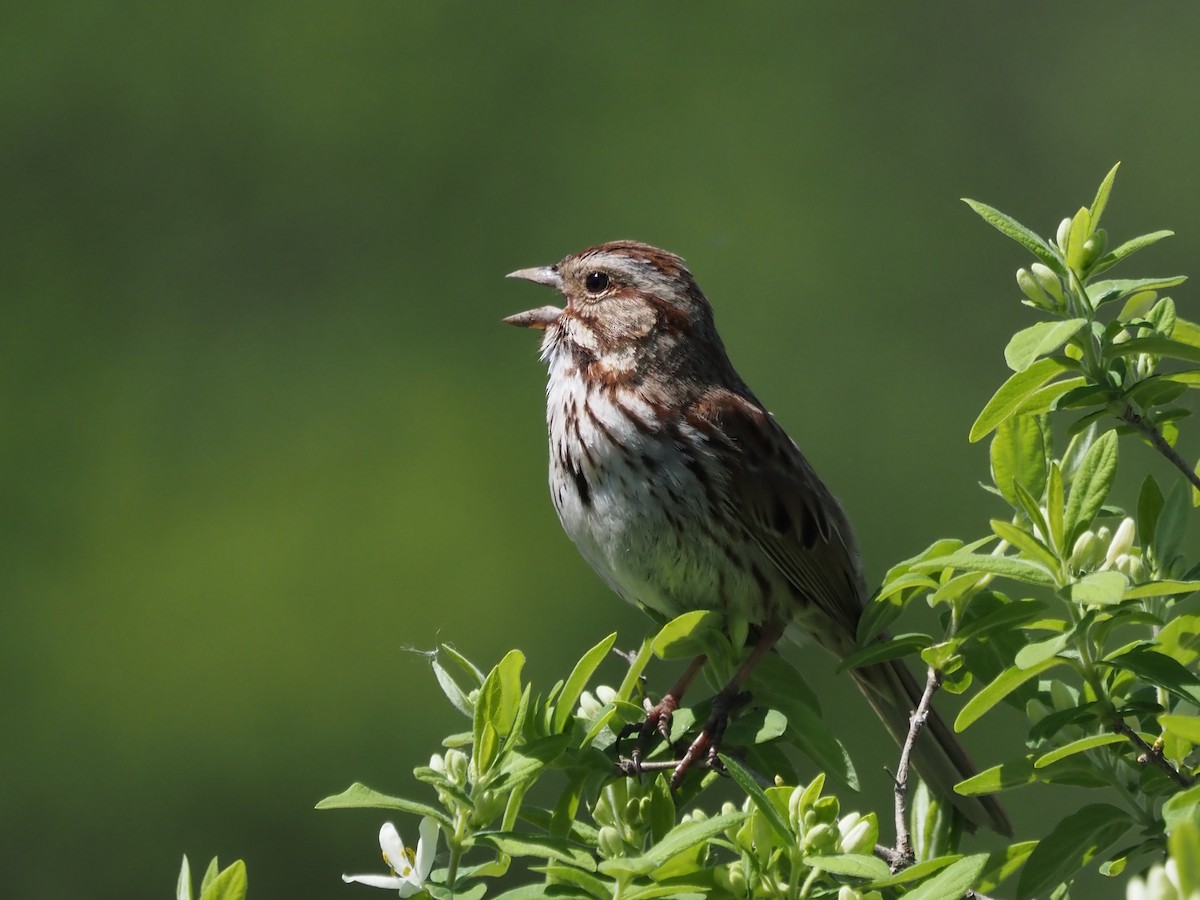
[{"x": 683, "y": 493}]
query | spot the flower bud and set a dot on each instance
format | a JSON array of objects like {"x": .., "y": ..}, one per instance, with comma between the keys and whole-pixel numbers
[
  {"x": 1064, "y": 234},
  {"x": 605, "y": 694},
  {"x": 1087, "y": 552},
  {"x": 1121, "y": 543},
  {"x": 795, "y": 819},
  {"x": 1031, "y": 289},
  {"x": 1049, "y": 282},
  {"x": 821, "y": 840},
  {"x": 1094, "y": 247},
  {"x": 845, "y": 892},
  {"x": 589, "y": 706},
  {"x": 732, "y": 878},
  {"x": 610, "y": 842},
  {"x": 1132, "y": 567},
  {"x": 858, "y": 835},
  {"x": 827, "y": 809},
  {"x": 457, "y": 766}
]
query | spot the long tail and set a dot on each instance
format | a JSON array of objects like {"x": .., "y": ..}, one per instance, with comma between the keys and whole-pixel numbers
[{"x": 938, "y": 757}]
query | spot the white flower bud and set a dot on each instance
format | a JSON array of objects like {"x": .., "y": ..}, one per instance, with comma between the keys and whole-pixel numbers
[
  {"x": 1121, "y": 543},
  {"x": 1031, "y": 289},
  {"x": 1048, "y": 282},
  {"x": 1064, "y": 233},
  {"x": 858, "y": 834},
  {"x": 605, "y": 694},
  {"x": 1086, "y": 554}
]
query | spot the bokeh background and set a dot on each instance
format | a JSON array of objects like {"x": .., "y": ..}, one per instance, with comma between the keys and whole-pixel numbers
[{"x": 262, "y": 431}]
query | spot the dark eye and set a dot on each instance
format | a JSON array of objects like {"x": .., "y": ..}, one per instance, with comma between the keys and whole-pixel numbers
[{"x": 595, "y": 282}]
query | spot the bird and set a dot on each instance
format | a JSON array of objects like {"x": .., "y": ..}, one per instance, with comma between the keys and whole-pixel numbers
[{"x": 684, "y": 493}]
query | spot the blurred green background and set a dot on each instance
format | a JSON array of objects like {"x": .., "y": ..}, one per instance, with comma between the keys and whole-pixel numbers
[{"x": 263, "y": 431}]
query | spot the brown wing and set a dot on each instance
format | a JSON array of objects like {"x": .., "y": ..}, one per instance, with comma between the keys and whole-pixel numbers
[{"x": 785, "y": 508}]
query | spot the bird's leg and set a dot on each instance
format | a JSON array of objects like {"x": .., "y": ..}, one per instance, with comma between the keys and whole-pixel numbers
[
  {"x": 658, "y": 717},
  {"x": 708, "y": 742}
]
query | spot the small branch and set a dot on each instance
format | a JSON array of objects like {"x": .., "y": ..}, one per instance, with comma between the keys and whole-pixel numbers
[
  {"x": 903, "y": 854},
  {"x": 1151, "y": 754},
  {"x": 1134, "y": 419}
]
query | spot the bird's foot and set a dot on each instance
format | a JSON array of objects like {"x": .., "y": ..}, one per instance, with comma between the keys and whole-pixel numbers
[
  {"x": 657, "y": 721},
  {"x": 708, "y": 742}
]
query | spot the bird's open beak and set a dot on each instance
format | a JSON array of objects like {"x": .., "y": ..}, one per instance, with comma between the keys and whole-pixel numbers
[{"x": 544, "y": 316}]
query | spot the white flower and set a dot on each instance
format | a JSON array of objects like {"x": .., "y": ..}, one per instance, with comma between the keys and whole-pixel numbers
[{"x": 409, "y": 869}]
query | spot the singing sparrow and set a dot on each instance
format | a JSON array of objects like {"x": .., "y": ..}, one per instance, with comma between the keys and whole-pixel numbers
[{"x": 683, "y": 493}]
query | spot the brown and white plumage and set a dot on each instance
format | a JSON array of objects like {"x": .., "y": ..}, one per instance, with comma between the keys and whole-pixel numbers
[{"x": 682, "y": 491}]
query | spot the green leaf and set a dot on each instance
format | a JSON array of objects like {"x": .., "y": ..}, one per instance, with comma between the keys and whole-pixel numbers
[
  {"x": 1003, "y": 864},
  {"x": 554, "y": 892},
  {"x": 764, "y": 805},
  {"x": 455, "y": 694},
  {"x": 229, "y": 885},
  {"x": 1172, "y": 524},
  {"x": 1018, "y": 454},
  {"x": 683, "y": 635},
  {"x": 1184, "y": 847},
  {"x": 1046, "y": 398},
  {"x": 1186, "y": 727},
  {"x": 632, "y": 675},
  {"x": 1079, "y": 746},
  {"x": 1013, "y": 774},
  {"x": 183, "y": 886},
  {"x": 853, "y": 865},
  {"x": 1097, "y": 208},
  {"x": 1038, "y": 652},
  {"x": 1010, "y": 227},
  {"x": 1114, "y": 256},
  {"x": 1162, "y": 589},
  {"x": 1107, "y": 291},
  {"x": 1006, "y": 566},
  {"x": 953, "y": 882},
  {"x": 1003, "y": 685},
  {"x": 1025, "y": 542},
  {"x": 887, "y": 648},
  {"x": 1159, "y": 669},
  {"x": 359, "y": 796},
  {"x": 471, "y": 670},
  {"x": 1182, "y": 807},
  {"x": 1090, "y": 486},
  {"x": 210, "y": 875},
  {"x": 1071, "y": 845},
  {"x": 1150, "y": 504},
  {"x": 1037, "y": 340},
  {"x": 519, "y": 844},
  {"x": 1180, "y": 639},
  {"x": 1013, "y": 393},
  {"x": 563, "y": 875},
  {"x": 680, "y": 839},
  {"x": 578, "y": 680},
  {"x": 1155, "y": 346},
  {"x": 915, "y": 872},
  {"x": 1009, "y": 615},
  {"x": 1099, "y": 589}
]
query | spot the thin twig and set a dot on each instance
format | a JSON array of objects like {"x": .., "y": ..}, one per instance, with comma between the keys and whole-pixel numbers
[
  {"x": 904, "y": 851},
  {"x": 1131, "y": 417},
  {"x": 1151, "y": 754}
]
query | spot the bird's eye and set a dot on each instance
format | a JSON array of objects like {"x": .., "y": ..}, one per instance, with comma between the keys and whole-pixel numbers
[{"x": 595, "y": 282}]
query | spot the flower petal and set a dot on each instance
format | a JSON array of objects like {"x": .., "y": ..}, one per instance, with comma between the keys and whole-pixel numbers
[
  {"x": 392, "y": 846},
  {"x": 426, "y": 849},
  {"x": 379, "y": 881}
]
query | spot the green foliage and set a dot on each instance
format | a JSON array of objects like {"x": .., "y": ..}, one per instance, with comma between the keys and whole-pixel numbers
[
  {"x": 217, "y": 883},
  {"x": 1058, "y": 611}
]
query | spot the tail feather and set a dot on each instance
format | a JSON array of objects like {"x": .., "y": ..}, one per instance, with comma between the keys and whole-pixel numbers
[{"x": 937, "y": 755}]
